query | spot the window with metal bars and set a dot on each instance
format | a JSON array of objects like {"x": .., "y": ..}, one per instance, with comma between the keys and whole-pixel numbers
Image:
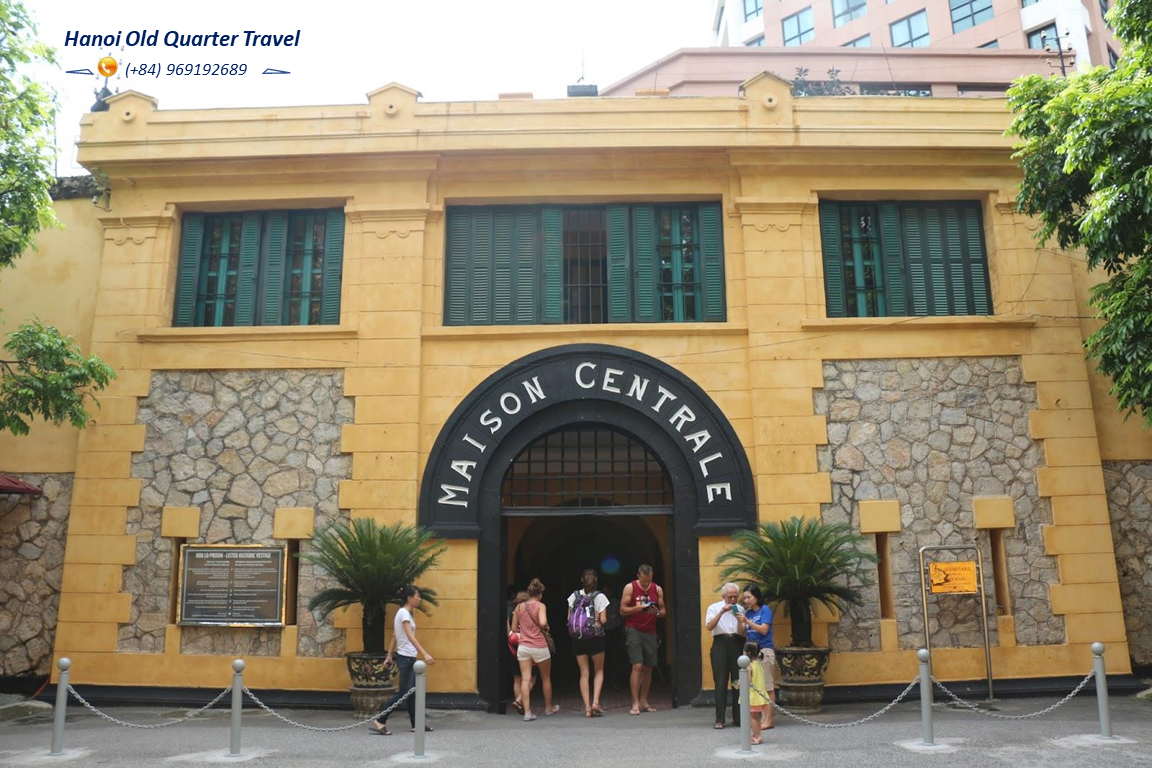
[
  {"x": 260, "y": 268},
  {"x": 586, "y": 467},
  {"x": 896, "y": 259},
  {"x": 616, "y": 263}
]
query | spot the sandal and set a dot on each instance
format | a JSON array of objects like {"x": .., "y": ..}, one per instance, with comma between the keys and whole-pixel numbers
[
  {"x": 427, "y": 729},
  {"x": 381, "y": 731},
  {"x": 588, "y": 713},
  {"x": 757, "y": 740},
  {"x": 719, "y": 726},
  {"x": 633, "y": 711},
  {"x": 554, "y": 709},
  {"x": 518, "y": 707},
  {"x": 597, "y": 711},
  {"x": 529, "y": 717}
]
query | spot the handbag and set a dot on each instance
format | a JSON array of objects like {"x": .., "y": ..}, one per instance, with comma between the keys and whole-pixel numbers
[
  {"x": 513, "y": 642},
  {"x": 551, "y": 642}
]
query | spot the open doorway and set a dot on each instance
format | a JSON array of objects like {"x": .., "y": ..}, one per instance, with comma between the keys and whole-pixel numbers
[{"x": 581, "y": 497}]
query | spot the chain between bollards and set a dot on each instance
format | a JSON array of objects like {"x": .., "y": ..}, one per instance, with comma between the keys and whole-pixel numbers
[
  {"x": 745, "y": 706},
  {"x": 237, "y": 707},
  {"x": 926, "y": 696},
  {"x": 421, "y": 692},
  {"x": 61, "y": 707}
]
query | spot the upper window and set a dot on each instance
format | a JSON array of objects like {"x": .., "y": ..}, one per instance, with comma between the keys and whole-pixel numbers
[
  {"x": 991, "y": 44},
  {"x": 1113, "y": 59},
  {"x": 799, "y": 28},
  {"x": 911, "y": 31},
  {"x": 508, "y": 265},
  {"x": 753, "y": 9},
  {"x": 1045, "y": 37},
  {"x": 756, "y": 42},
  {"x": 1104, "y": 13},
  {"x": 843, "y": 11},
  {"x": 969, "y": 13},
  {"x": 260, "y": 268},
  {"x": 894, "y": 259},
  {"x": 860, "y": 42}
]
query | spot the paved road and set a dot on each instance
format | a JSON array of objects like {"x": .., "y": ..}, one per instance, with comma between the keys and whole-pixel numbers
[{"x": 683, "y": 737}]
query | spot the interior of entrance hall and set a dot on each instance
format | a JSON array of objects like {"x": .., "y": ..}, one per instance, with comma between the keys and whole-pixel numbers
[{"x": 589, "y": 497}]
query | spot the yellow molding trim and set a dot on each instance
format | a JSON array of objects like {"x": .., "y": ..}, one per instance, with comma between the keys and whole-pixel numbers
[
  {"x": 255, "y": 333},
  {"x": 448, "y": 333},
  {"x": 917, "y": 323}
]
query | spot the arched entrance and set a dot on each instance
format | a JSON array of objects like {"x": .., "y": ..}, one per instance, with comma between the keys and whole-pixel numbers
[
  {"x": 589, "y": 496},
  {"x": 564, "y": 389}
]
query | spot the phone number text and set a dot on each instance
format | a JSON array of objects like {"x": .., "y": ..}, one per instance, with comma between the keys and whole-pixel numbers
[{"x": 210, "y": 70}]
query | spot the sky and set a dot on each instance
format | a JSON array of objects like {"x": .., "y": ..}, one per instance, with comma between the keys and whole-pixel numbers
[{"x": 448, "y": 50}]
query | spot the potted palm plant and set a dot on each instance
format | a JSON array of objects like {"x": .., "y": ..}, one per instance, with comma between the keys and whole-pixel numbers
[
  {"x": 370, "y": 564},
  {"x": 798, "y": 563}
]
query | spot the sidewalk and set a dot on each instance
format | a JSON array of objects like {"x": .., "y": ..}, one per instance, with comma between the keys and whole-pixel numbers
[{"x": 682, "y": 737}]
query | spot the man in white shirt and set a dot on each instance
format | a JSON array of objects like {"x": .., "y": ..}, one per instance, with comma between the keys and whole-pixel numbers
[{"x": 726, "y": 623}]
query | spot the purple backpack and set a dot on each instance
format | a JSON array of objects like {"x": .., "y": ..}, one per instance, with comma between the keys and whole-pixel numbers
[{"x": 582, "y": 624}]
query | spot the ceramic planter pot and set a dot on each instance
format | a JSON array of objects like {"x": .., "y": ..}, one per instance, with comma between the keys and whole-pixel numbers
[
  {"x": 372, "y": 683},
  {"x": 802, "y": 678}
]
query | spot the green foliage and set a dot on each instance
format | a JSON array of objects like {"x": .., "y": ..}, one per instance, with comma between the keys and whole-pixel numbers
[
  {"x": 47, "y": 376},
  {"x": 27, "y": 110},
  {"x": 1085, "y": 147},
  {"x": 371, "y": 564},
  {"x": 798, "y": 562},
  {"x": 801, "y": 86}
]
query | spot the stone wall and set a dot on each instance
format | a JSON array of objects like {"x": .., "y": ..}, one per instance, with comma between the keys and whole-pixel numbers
[
  {"x": 32, "y": 534},
  {"x": 934, "y": 433},
  {"x": 237, "y": 444},
  {"x": 1129, "y": 488}
]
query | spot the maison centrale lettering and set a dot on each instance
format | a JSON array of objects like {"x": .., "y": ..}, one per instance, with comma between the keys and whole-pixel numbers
[{"x": 521, "y": 397}]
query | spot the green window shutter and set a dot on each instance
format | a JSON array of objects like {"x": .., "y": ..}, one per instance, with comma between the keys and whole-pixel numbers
[
  {"x": 892, "y": 256},
  {"x": 957, "y": 268},
  {"x": 644, "y": 255},
  {"x": 456, "y": 270},
  {"x": 553, "y": 228},
  {"x": 246, "y": 272},
  {"x": 935, "y": 247},
  {"x": 973, "y": 228},
  {"x": 274, "y": 274},
  {"x": 480, "y": 282},
  {"x": 712, "y": 253},
  {"x": 502, "y": 288},
  {"x": 188, "y": 271},
  {"x": 525, "y": 261},
  {"x": 619, "y": 291},
  {"x": 333, "y": 269},
  {"x": 913, "y": 226},
  {"x": 833, "y": 260}
]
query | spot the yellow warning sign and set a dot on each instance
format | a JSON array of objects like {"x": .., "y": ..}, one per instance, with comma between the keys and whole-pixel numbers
[{"x": 953, "y": 578}]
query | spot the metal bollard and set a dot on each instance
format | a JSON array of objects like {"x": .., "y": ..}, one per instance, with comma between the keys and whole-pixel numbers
[
  {"x": 1102, "y": 691},
  {"x": 745, "y": 705},
  {"x": 421, "y": 690},
  {"x": 926, "y": 696},
  {"x": 237, "y": 706},
  {"x": 61, "y": 707}
]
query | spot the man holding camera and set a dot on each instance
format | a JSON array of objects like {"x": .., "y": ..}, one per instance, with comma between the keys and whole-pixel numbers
[
  {"x": 725, "y": 621},
  {"x": 640, "y": 605}
]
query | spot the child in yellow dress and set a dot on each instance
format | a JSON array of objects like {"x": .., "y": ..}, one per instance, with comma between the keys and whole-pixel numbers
[{"x": 758, "y": 702}]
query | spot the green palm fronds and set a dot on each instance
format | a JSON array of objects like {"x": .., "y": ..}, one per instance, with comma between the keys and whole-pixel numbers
[
  {"x": 370, "y": 564},
  {"x": 798, "y": 562}
]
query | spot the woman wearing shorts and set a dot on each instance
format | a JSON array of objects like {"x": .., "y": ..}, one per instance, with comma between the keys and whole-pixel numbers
[
  {"x": 530, "y": 620},
  {"x": 758, "y": 619}
]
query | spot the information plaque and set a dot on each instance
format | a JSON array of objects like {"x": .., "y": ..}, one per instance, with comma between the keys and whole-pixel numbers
[
  {"x": 953, "y": 578},
  {"x": 231, "y": 585}
]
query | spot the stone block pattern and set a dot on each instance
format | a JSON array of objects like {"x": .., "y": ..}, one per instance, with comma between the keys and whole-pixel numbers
[
  {"x": 1129, "y": 488},
  {"x": 236, "y": 444},
  {"x": 32, "y": 531},
  {"x": 933, "y": 433}
]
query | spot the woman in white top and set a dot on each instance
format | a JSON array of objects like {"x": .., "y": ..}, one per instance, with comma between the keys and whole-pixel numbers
[{"x": 407, "y": 646}]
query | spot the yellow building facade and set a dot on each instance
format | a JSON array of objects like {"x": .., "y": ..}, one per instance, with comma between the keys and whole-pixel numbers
[{"x": 952, "y": 427}]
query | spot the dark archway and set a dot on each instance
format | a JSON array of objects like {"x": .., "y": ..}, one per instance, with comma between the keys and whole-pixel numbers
[{"x": 567, "y": 387}]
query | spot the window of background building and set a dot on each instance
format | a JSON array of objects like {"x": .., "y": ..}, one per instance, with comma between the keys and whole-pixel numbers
[
  {"x": 1104, "y": 13},
  {"x": 1113, "y": 59},
  {"x": 756, "y": 42},
  {"x": 798, "y": 28},
  {"x": 969, "y": 13},
  {"x": 753, "y": 9},
  {"x": 508, "y": 265},
  {"x": 910, "y": 31},
  {"x": 843, "y": 11},
  {"x": 894, "y": 89},
  {"x": 1045, "y": 37},
  {"x": 899, "y": 259},
  {"x": 1026, "y": 3},
  {"x": 991, "y": 44},
  {"x": 260, "y": 268},
  {"x": 982, "y": 91},
  {"x": 860, "y": 42}
]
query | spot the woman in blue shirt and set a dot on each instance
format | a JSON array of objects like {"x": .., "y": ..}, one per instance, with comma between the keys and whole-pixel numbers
[{"x": 758, "y": 619}]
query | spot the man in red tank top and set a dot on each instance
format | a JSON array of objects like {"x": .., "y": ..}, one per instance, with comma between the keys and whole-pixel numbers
[{"x": 640, "y": 605}]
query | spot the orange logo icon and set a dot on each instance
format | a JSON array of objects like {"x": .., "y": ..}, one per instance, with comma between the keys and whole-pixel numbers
[{"x": 107, "y": 66}]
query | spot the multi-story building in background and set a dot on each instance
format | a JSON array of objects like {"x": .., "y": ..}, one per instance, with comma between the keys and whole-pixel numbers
[{"x": 1002, "y": 24}]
